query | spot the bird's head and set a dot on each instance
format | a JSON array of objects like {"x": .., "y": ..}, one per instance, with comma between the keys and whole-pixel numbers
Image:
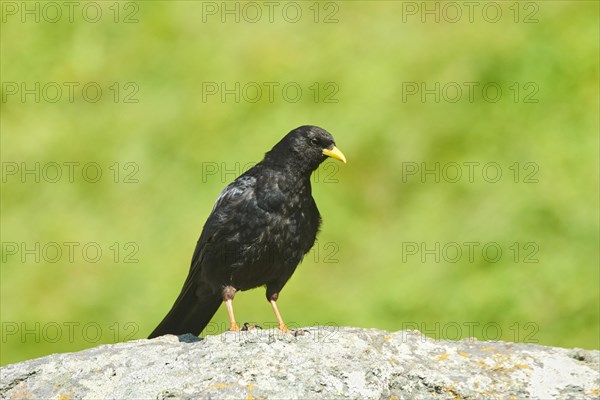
[{"x": 305, "y": 148}]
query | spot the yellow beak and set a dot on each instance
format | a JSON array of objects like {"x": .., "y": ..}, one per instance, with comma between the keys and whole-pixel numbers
[{"x": 335, "y": 153}]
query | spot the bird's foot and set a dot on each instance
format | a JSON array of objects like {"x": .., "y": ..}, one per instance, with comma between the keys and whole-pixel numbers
[
  {"x": 295, "y": 332},
  {"x": 298, "y": 332},
  {"x": 247, "y": 327},
  {"x": 234, "y": 327}
]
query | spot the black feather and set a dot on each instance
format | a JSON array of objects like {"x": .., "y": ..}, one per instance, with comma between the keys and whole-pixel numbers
[{"x": 260, "y": 228}]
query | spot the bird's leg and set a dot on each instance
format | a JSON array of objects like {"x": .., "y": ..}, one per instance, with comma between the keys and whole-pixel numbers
[
  {"x": 272, "y": 300},
  {"x": 228, "y": 295}
]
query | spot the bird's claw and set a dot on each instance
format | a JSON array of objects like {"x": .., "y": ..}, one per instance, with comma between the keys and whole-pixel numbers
[
  {"x": 295, "y": 332},
  {"x": 247, "y": 326}
]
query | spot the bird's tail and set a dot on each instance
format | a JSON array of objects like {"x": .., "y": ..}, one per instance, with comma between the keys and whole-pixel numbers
[{"x": 191, "y": 312}]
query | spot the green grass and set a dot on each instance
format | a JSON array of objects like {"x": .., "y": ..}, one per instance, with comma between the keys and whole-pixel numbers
[{"x": 370, "y": 211}]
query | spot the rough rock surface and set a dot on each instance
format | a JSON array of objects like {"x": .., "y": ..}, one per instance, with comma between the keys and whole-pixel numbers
[{"x": 324, "y": 363}]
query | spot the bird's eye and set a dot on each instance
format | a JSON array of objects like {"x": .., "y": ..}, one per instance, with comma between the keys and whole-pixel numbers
[{"x": 314, "y": 141}]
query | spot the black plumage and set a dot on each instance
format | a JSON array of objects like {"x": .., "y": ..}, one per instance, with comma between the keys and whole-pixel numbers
[{"x": 260, "y": 228}]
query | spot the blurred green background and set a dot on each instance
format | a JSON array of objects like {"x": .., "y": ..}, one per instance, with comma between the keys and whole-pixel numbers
[{"x": 185, "y": 144}]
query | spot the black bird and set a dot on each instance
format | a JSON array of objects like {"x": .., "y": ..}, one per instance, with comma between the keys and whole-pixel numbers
[{"x": 259, "y": 230}]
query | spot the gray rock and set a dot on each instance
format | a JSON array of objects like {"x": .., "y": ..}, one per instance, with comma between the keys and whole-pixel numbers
[{"x": 323, "y": 363}]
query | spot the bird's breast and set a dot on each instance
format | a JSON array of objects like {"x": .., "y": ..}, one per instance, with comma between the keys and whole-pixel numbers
[{"x": 278, "y": 247}]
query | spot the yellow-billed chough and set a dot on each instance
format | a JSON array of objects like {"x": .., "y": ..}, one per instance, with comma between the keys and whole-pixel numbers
[{"x": 259, "y": 230}]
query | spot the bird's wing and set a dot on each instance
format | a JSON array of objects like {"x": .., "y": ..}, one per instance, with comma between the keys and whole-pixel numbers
[
  {"x": 239, "y": 190},
  {"x": 231, "y": 213},
  {"x": 198, "y": 301},
  {"x": 232, "y": 203}
]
